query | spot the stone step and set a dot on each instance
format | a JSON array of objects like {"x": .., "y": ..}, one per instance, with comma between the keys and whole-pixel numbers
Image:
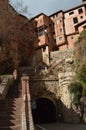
[
  {"x": 9, "y": 117},
  {"x": 16, "y": 127},
  {"x": 10, "y": 112},
  {"x": 14, "y": 100},
  {"x": 10, "y": 122},
  {"x": 10, "y": 107}
]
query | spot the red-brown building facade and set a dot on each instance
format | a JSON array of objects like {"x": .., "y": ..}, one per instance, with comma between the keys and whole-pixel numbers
[{"x": 60, "y": 30}]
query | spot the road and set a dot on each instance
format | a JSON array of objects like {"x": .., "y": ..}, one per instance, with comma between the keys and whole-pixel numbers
[{"x": 61, "y": 126}]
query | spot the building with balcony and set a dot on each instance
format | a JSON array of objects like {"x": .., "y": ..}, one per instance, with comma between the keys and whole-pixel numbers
[
  {"x": 44, "y": 32},
  {"x": 60, "y": 30}
]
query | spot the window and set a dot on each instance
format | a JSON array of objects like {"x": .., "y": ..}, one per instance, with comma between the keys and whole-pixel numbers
[
  {"x": 53, "y": 16},
  {"x": 71, "y": 37},
  {"x": 75, "y": 20},
  {"x": 81, "y": 17},
  {"x": 60, "y": 29},
  {"x": 50, "y": 24},
  {"x": 44, "y": 49},
  {"x": 38, "y": 40},
  {"x": 40, "y": 33},
  {"x": 54, "y": 40},
  {"x": 56, "y": 15},
  {"x": 53, "y": 33},
  {"x": 84, "y": 27},
  {"x": 76, "y": 29},
  {"x": 71, "y": 13},
  {"x": 80, "y": 10},
  {"x": 60, "y": 38},
  {"x": 60, "y": 20}
]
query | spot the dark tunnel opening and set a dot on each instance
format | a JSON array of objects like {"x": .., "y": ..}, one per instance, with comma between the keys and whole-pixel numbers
[{"x": 44, "y": 111}]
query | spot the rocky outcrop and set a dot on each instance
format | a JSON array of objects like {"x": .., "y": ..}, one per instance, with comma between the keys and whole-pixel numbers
[{"x": 53, "y": 82}]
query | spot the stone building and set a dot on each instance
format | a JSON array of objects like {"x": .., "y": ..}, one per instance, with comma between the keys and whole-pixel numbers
[
  {"x": 75, "y": 22},
  {"x": 45, "y": 42},
  {"x": 68, "y": 25},
  {"x": 60, "y": 30},
  {"x": 53, "y": 38},
  {"x": 51, "y": 98}
]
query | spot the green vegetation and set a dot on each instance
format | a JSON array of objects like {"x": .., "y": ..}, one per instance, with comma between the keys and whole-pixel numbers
[{"x": 78, "y": 87}]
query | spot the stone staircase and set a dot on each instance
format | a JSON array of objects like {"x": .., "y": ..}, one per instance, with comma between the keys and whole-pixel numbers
[
  {"x": 15, "y": 110},
  {"x": 11, "y": 108},
  {"x": 10, "y": 114}
]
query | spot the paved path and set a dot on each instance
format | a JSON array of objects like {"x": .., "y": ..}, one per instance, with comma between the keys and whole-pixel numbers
[{"x": 60, "y": 126}]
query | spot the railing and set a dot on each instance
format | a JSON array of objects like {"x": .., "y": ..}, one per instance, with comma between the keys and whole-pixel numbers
[{"x": 27, "y": 119}]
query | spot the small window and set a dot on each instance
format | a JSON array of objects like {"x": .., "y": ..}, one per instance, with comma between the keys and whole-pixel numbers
[
  {"x": 72, "y": 37},
  {"x": 81, "y": 17},
  {"x": 75, "y": 20},
  {"x": 80, "y": 10},
  {"x": 84, "y": 27},
  {"x": 54, "y": 40},
  {"x": 44, "y": 49},
  {"x": 60, "y": 38},
  {"x": 60, "y": 20},
  {"x": 71, "y": 13},
  {"x": 76, "y": 29},
  {"x": 50, "y": 24},
  {"x": 53, "y": 33},
  {"x": 38, "y": 40},
  {"x": 40, "y": 33},
  {"x": 53, "y": 16},
  {"x": 60, "y": 29},
  {"x": 56, "y": 15}
]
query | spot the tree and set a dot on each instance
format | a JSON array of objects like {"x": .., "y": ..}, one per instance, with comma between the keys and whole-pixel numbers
[
  {"x": 16, "y": 46},
  {"x": 76, "y": 89},
  {"x": 19, "y": 6},
  {"x": 80, "y": 60}
]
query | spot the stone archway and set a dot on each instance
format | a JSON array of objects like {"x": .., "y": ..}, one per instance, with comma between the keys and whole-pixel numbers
[{"x": 44, "y": 111}]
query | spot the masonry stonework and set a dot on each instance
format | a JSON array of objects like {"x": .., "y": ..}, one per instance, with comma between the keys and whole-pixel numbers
[{"x": 53, "y": 83}]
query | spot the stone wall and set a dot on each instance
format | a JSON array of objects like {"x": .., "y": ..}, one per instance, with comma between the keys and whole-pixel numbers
[
  {"x": 63, "y": 69},
  {"x": 4, "y": 86},
  {"x": 53, "y": 83},
  {"x": 59, "y": 55}
]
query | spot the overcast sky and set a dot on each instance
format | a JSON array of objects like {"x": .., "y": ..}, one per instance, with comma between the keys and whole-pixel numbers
[{"x": 48, "y": 6}]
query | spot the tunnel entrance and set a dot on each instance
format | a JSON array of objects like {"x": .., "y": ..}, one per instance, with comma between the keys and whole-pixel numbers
[{"x": 44, "y": 111}]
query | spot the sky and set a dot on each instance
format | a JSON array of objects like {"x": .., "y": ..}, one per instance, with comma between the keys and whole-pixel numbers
[{"x": 48, "y": 7}]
